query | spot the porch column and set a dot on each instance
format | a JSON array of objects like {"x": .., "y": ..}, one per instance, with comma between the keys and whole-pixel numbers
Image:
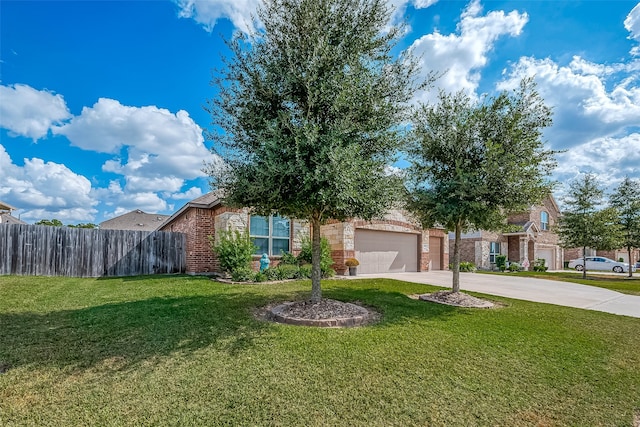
[{"x": 524, "y": 252}]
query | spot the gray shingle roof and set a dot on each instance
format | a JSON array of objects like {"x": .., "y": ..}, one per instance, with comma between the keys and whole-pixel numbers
[
  {"x": 135, "y": 220},
  {"x": 6, "y": 218}
]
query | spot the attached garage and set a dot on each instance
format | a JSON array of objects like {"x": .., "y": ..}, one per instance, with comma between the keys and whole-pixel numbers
[
  {"x": 549, "y": 258},
  {"x": 386, "y": 251}
]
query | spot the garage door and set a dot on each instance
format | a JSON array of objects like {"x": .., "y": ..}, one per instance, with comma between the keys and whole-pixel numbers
[
  {"x": 435, "y": 248},
  {"x": 547, "y": 255},
  {"x": 386, "y": 252}
]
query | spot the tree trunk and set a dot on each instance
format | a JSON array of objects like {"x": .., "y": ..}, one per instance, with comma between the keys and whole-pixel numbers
[
  {"x": 456, "y": 258},
  {"x": 316, "y": 253},
  {"x": 584, "y": 262},
  {"x": 630, "y": 261}
]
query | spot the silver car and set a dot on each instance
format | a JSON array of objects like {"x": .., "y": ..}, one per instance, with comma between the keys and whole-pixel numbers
[{"x": 602, "y": 264}]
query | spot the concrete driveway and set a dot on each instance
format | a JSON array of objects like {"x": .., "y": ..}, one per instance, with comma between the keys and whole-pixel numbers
[{"x": 529, "y": 289}]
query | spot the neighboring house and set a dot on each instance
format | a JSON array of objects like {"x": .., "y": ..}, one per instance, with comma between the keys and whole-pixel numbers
[
  {"x": 135, "y": 220},
  {"x": 531, "y": 239},
  {"x": 5, "y": 214},
  {"x": 389, "y": 245}
]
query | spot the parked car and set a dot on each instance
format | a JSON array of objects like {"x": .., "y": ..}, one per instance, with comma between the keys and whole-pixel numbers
[{"x": 602, "y": 264}]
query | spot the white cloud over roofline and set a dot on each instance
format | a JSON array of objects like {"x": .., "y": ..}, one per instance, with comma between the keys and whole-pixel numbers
[{"x": 44, "y": 190}]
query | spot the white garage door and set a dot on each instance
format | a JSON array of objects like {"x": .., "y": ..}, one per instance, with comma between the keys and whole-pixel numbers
[
  {"x": 547, "y": 255},
  {"x": 386, "y": 252}
]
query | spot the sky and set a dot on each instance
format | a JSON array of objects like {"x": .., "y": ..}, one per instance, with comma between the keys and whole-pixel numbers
[{"x": 102, "y": 102}]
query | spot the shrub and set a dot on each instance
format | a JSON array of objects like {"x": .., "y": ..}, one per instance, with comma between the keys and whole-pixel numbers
[
  {"x": 282, "y": 272},
  {"x": 305, "y": 271},
  {"x": 514, "y": 266},
  {"x": 465, "y": 267},
  {"x": 234, "y": 250},
  {"x": 501, "y": 262},
  {"x": 539, "y": 265},
  {"x": 325, "y": 256},
  {"x": 288, "y": 259},
  {"x": 243, "y": 274},
  {"x": 259, "y": 277},
  {"x": 352, "y": 262}
]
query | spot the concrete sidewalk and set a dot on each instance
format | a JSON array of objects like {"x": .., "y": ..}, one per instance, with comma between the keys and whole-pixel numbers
[{"x": 529, "y": 289}]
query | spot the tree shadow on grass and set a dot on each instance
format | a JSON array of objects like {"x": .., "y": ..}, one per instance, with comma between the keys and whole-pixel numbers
[{"x": 129, "y": 332}]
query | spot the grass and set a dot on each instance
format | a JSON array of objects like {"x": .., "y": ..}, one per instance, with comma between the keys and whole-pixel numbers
[
  {"x": 621, "y": 283},
  {"x": 188, "y": 351}
]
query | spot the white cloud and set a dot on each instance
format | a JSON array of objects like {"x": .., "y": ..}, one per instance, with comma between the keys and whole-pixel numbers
[
  {"x": 28, "y": 112},
  {"x": 461, "y": 56},
  {"x": 158, "y": 147},
  {"x": 190, "y": 194},
  {"x": 590, "y": 100},
  {"x": 240, "y": 12},
  {"x": 632, "y": 24},
  {"x": 208, "y": 12},
  {"x": 609, "y": 158},
  {"x": 45, "y": 190}
]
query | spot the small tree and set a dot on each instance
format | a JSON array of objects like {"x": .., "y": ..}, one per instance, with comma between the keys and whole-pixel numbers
[
  {"x": 584, "y": 224},
  {"x": 310, "y": 110},
  {"x": 626, "y": 201},
  {"x": 234, "y": 250},
  {"x": 474, "y": 163}
]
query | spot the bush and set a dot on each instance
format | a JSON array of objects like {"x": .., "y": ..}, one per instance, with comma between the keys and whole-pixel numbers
[
  {"x": 465, "y": 267},
  {"x": 325, "y": 256},
  {"x": 501, "y": 262},
  {"x": 282, "y": 272},
  {"x": 243, "y": 274},
  {"x": 288, "y": 259},
  {"x": 234, "y": 250},
  {"x": 539, "y": 265},
  {"x": 305, "y": 271},
  {"x": 514, "y": 266},
  {"x": 259, "y": 277}
]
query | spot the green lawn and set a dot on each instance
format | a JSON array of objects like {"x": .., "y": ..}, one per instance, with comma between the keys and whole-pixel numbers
[
  {"x": 187, "y": 351},
  {"x": 620, "y": 282}
]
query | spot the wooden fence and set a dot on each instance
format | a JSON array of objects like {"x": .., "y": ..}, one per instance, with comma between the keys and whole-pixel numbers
[{"x": 76, "y": 252}]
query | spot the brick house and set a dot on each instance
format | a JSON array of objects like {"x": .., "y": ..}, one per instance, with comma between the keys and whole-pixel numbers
[
  {"x": 394, "y": 243},
  {"x": 532, "y": 239}
]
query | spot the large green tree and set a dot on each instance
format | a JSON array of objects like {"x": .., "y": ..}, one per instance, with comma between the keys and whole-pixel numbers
[
  {"x": 626, "y": 201},
  {"x": 474, "y": 162},
  {"x": 584, "y": 222},
  {"x": 310, "y": 111}
]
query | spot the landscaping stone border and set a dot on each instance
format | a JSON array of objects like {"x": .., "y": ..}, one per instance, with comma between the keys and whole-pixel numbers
[{"x": 363, "y": 317}]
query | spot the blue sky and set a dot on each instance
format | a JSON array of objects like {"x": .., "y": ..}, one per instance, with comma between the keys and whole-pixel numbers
[{"x": 101, "y": 102}]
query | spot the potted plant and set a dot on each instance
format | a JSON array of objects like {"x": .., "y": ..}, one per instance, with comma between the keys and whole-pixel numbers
[{"x": 353, "y": 264}]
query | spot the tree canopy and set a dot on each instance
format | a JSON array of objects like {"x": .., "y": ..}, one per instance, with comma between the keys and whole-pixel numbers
[
  {"x": 474, "y": 162},
  {"x": 309, "y": 112},
  {"x": 626, "y": 201},
  {"x": 585, "y": 223}
]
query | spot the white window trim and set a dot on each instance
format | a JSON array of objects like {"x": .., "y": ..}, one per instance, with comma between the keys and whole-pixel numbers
[
  {"x": 544, "y": 226},
  {"x": 271, "y": 237}
]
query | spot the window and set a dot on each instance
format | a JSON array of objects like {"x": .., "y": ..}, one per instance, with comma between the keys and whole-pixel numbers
[
  {"x": 269, "y": 234},
  {"x": 494, "y": 250},
  {"x": 544, "y": 221}
]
